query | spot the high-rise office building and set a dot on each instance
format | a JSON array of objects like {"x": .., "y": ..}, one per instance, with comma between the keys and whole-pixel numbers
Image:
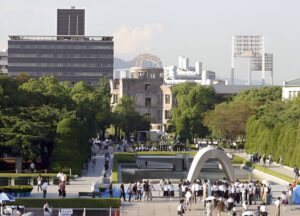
[
  {"x": 70, "y": 21},
  {"x": 72, "y": 57},
  {"x": 78, "y": 58}
]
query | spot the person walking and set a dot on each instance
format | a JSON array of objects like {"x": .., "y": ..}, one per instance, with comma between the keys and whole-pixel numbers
[
  {"x": 188, "y": 199},
  {"x": 277, "y": 204},
  {"x": 110, "y": 190},
  {"x": 32, "y": 167},
  {"x": 146, "y": 191},
  {"x": 129, "y": 192},
  {"x": 180, "y": 189},
  {"x": 263, "y": 209},
  {"x": 122, "y": 192},
  {"x": 171, "y": 190},
  {"x": 208, "y": 208},
  {"x": 180, "y": 208},
  {"x": 284, "y": 200},
  {"x": 39, "y": 183},
  {"x": 63, "y": 189},
  {"x": 44, "y": 188},
  {"x": 151, "y": 188},
  {"x": 221, "y": 207},
  {"x": 281, "y": 160},
  {"x": 296, "y": 173}
]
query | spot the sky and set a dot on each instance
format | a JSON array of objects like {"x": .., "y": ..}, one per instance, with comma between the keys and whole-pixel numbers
[{"x": 198, "y": 29}]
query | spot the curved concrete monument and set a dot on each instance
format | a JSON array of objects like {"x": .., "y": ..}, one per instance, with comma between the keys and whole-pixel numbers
[{"x": 203, "y": 155}]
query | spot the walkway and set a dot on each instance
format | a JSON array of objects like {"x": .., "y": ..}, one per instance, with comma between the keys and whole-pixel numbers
[
  {"x": 275, "y": 167},
  {"x": 82, "y": 184}
]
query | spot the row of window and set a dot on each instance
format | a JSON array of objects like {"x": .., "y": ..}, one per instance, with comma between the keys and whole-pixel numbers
[
  {"x": 19, "y": 46},
  {"x": 60, "y": 56},
  {"x": 88, "y": 65},
  {"x": 64, "y": 74}
]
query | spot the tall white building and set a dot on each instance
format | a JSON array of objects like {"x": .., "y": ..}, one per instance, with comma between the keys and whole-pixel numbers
[{"x": 3, "y": 62}]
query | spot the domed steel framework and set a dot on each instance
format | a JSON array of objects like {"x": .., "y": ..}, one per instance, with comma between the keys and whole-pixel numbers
[{"x": 147, "y": 60}]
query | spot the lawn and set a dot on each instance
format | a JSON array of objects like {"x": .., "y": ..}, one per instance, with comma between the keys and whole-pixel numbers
[{"x": 240, "y": 160}]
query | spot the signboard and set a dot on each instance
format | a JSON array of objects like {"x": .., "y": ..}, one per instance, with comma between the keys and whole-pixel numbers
[
  {"x": 66, "y": 212},
  {"x": 256, "y": 62},
  {"x": 248, "y": 45}
]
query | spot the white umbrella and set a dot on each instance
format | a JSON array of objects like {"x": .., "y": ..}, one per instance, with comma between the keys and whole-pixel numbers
[
  {"x": 248, "y": 213},
  {"x": 4, "y": 197},
  {"x": 210, "y": 198},
  {"x": 84, "y": 212}
]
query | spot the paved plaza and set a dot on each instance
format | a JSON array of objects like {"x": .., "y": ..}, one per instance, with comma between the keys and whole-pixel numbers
[{"x": 162, "y": 207}]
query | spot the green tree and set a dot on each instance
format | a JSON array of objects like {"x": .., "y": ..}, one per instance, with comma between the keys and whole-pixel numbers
[{"x": 192, "y": 101}]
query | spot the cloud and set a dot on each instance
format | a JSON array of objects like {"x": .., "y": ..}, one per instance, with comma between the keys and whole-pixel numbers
[{"x": 131, "y": 40}]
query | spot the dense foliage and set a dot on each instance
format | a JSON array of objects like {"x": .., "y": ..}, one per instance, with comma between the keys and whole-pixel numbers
[
  {"x": 275, "y": 130},
  {"x": 125, "y": 117},
  {"x": 43, "y": 118},
  {"x": 228, "y": 120},
  {"x": 192, "y": 102}
]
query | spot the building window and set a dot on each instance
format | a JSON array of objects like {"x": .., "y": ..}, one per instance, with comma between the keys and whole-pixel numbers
[
  {"x": 147, "y": 87},
  {"x": 167, "y": 114},
  {"x": 167, "y": 99},
  {"x": 115, "y": 98},
  {"x": 116, "y": 85},
  {"x": 148, "y": 102}
]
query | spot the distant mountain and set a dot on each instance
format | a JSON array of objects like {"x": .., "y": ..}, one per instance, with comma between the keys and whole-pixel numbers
[{"x": 121, "y": 64}]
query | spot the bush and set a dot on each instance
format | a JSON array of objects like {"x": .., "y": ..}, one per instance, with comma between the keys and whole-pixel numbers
[
  {"x": 71, "y": 147},
  {"x": 16, "y": 189},
  {"x": 248, "y": 163},
  {"x": 237, "y": 160},
  {"x": 70, "y": 202},
  {"x": 4, "y": 181},
  {"x": 22, "y": 181}
]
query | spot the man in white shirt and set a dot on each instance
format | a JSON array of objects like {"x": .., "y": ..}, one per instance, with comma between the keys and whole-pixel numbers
[
  {"x": 44, "y": 188},
  {"x": 32, "y": 167},
  {"x": 277, "y": 204}
]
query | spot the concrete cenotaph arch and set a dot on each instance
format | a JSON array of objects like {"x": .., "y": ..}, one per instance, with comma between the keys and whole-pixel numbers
[{"x": 203, "y": 155}]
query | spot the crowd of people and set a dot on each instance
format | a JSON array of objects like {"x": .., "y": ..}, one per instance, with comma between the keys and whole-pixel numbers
[
  {"x": 137, "y": 191},
  {"x": 220, "y": 195}
]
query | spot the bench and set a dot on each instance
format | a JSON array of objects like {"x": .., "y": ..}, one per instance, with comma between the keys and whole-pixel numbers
[{"x": 91, "y": 194}]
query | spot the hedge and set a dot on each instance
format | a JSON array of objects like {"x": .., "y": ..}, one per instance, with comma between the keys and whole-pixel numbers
[
  {"x": 13, "y": 175},
  {"x": 16, "y": 189},
  {"x": 238, "y": 160},
  {"x": 69, "y": 202}
]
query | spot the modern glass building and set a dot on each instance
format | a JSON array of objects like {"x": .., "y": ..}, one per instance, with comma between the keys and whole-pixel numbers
[{"x": 69, "y": 58}]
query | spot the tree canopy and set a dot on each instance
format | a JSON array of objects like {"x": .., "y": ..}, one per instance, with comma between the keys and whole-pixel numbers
[{"x": 192, "y": 101}]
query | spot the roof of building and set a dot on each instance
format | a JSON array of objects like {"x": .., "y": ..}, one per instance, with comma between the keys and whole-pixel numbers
[
  {"x": 61, "y": 37},
  {"x": 234, "y": 89},
  {"x": 294, "y": 82}
]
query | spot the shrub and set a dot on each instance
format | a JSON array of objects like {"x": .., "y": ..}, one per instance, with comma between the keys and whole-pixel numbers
[
  {"x": 16, "y": 189},
  {"x": 70, "y": 202},
  {"x": 71, "y": 146}
]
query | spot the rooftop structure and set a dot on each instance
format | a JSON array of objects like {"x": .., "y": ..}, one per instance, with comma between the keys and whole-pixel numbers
[{"x": 70, "y": 21}]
